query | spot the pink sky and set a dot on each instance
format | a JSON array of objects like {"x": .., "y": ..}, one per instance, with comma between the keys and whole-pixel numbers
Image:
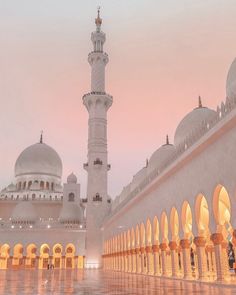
[{"x": 163, "y": 54}]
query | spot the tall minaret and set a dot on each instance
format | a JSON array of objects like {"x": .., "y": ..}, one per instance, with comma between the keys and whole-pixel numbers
[{"x": 97, "y": 103}]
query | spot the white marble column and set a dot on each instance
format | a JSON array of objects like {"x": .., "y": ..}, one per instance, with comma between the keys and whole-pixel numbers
[
  {"x": 200, "y": 243},
  {"x": 174, "y": 258},
  {"x": 187, "y": 269}
]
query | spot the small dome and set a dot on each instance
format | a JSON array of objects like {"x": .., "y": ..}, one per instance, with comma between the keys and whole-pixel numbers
[
  {"x": 40, "y": 159},
  {"x": 11, "y": 188},
  {"x": 160, "y": 156},
  {"x": 191, "y": 121},
  {"x": 24, "y": 212},
  {"x": 72, "y": 178},
  {"x": 231, "y": 81},
  {"x": 138, "y": 178},
  {"x": 71, "y": 213}
]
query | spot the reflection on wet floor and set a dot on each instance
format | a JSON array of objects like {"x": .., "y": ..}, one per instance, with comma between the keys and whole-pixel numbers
[{"x": 87, "y": 282}]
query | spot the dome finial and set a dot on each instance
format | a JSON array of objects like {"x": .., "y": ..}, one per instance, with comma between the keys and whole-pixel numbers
[
  {"x": 167, "y": 139},
  {"x": 98, "y": 20},
  {"x": 199, "y": 101},
  {"x": 41, "y": 137}
]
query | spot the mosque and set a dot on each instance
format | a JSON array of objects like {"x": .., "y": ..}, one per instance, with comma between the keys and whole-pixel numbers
[{"x": 176, "y": 218}]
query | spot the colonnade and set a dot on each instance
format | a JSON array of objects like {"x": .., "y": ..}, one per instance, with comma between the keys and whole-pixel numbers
[
  {"x": 42, "y": 260},
  {"x": 173, "y": 249}
]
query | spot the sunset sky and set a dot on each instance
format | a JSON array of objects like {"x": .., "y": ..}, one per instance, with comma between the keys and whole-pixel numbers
[{"x": 163, "y": 54}]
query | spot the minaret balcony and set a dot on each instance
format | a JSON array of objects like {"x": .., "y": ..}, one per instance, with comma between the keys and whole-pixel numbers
[
  {"x": 97, "y": 162},
  {"x": 97, "y": 198}
]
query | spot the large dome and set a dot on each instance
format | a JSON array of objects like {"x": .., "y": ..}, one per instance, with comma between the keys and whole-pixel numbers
[
  {"x": 191, "y": 121},
  {"x": 24, "y": 212},
  {"x": 231, "y": 81},
  {"x": 40, "y": 159}
]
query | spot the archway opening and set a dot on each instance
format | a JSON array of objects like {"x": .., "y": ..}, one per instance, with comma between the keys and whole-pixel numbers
[
  {"x": 57, "y": 256},
  {"x": 70, "y": 256},
  {"x": 31, "y": 256}
]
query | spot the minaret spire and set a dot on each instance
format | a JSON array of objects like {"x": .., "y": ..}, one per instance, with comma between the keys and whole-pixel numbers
[
  {"x": 41, "y": 137},
  {"x": 98, "y": 20},
  {"x": 199, "y": 101},
  {"x": 97, "y": 102}
]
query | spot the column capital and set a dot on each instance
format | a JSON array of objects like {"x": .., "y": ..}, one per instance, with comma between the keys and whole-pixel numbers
[
  {"x": 173, "y": 245},
  {"x": 163, "y": 246},
  {"x": 155, "y": 248},
  {"x": 142, "y": 250},
  {"x": 217, "y": 238},
  {"x": 199, "y": 241},
  {"x": 185, "y": 244},
  {"x": 148, "y": 249},
  {"x": 137, "y": 250}
]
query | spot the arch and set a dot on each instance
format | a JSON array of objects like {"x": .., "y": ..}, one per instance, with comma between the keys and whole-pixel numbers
[
  {"x": 5, "y": 255},
  {"x": 164, "y": 227},
  {"x": 137, "y": 236},
  {"x": 57, "y": 256},
  {"x": 132, "y": 238},
  {"x": 202, "y": 216},
  {"x": 17, "y": 256},
  {"x": 222, "y": 210},
  {"x": 174, "y": 224},
  {"x": 70, "y": 256},
  {"x": 187, "y": 220},
  {"x": 71, "y": 197},
  {"x": 30, "y": 261},
  {"x": 149, "y": 232},
  {"x": 128, "y": 240},
  {"x": 155, "y": 231},
  {"x": 142, "y": 235},
  {"x": 44, "y": 256},
  {"x": 41, "y": 185}
]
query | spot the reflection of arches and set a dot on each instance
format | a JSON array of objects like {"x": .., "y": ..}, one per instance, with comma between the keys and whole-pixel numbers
[
  {"x": 174, "y": 224},
  {"x": 164, "y": 227},
  {"x": 4, "y": 257},
  {"x": 30, "y": 256},
  {"x": 57, "y": 256},
  {"x": 187, "y": 220},
  {"x": 70, "y": 256},
  {"x": 222, "y": 210},
  {"x": 17, "y": 256},
  {"x": 44, "y": 256},
  {"x": 202, "y": 216}
]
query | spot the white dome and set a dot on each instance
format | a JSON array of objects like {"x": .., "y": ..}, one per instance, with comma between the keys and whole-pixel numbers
[
  {"x": 72, "y": 178},
  {"x": 24, "y": 212},
  {"x": 71, "y": 212},
  {"x": 231, "y": 81},
  {"x": 191, "y": 121},
  {"x": 138, "y": 178},
  {"x": 40, "y": 159},
  {"x": 160, "y": 156}
]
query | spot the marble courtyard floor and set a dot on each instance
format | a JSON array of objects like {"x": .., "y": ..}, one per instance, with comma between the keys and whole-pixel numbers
[{"x": 97, "y": 282}]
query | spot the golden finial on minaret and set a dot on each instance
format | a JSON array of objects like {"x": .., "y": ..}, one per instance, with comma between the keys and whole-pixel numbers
[
  {"x": 167, "y": 140},
  {"x": 199, "y": 102},
  {"x": 41, "y": 137},
  {"x": 98, "y": 20}
]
